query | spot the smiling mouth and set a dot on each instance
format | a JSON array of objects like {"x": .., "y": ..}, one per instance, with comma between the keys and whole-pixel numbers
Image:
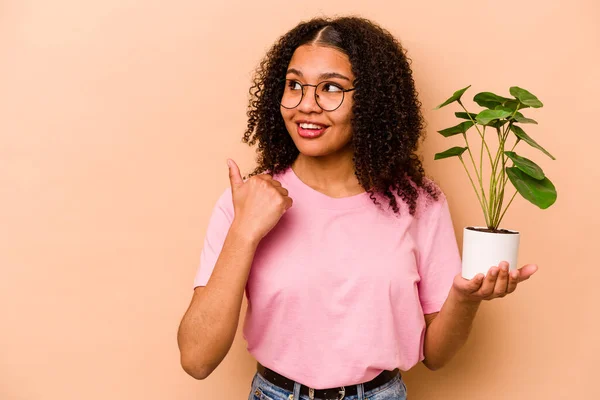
[{"x": 310, "y": 131}]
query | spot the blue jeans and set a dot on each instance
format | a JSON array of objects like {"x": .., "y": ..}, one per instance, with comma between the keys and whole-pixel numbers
[{"x": 262, "y": 389}]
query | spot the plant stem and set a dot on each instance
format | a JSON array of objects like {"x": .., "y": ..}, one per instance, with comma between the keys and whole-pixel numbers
[
  {"x": 498, "y": 218},
  {"x": 492, "y": 182},
  {"x": 480, "y": 134},
  {"x": 500, "y": 180},
  {"x": 485, "y": 213},
  {"x": 495, "y": 197},
  {"x": 497, "y": 178},
  {"x": 499, "y": 190},
  {"x": 513, "y": 148},
  {"x": 508, "y": 205},
  {"x": 479, "y": 174},
  {"x": 498, "y": 207},
  {"x": 481, "y": 152}
]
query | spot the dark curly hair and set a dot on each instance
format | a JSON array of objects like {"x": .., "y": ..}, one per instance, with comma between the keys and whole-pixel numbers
[{"x": 387, "y": 122}]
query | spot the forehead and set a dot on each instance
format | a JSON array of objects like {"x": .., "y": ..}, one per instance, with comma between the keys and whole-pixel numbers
[{"x": 314, "y": 60}]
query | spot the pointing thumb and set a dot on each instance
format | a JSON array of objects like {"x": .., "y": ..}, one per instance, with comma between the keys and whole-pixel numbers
[{"x": 234, "y": 175}]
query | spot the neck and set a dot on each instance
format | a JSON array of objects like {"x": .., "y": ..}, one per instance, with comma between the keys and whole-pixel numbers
[{"x": 334, "y": 177}]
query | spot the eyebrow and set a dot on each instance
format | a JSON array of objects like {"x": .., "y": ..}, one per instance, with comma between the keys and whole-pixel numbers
[{"x": 326, "y": 75}]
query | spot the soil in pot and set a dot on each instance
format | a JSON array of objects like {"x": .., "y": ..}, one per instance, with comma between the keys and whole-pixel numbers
[{"x": 491, "y": 230}]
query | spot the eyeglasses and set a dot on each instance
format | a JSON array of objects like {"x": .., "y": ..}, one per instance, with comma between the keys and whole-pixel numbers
[{"x": 328, "y": 95}]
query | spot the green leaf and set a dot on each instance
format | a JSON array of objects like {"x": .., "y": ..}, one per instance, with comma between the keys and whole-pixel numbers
[
  {"x": 463, "y": 127},
  {"x": 497, "y": 123},
  {"x": 453, "y": 152},
  {"x": 522, "y": 120},
  {"x": 542, "y": 193},
  {"x": 514, "y": 104},
  {"x": 456, "y": 96},
  {"x": 525, "y": 137},
  {"x": 526, "y": 165},
  {"x": 489, "y": 99},
  {"x": 518, "y": 116},
  {"x": 504, "y": 108},
  {"x": 525, "y": 97},
  {"x": 487, "y": 116},
  {"x": 464, "y": 115}
]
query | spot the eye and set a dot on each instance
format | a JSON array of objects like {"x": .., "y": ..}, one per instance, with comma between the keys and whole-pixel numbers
[
  {"x": 293, "y": 85},
  {"x": 331, "y": 87}
]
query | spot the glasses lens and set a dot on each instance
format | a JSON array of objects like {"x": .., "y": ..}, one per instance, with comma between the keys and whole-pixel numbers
[
  {"x": 292, "y": 94},
  {"x": 329, "y": 95}
]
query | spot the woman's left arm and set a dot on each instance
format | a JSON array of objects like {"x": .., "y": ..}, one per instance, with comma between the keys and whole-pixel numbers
[{"x": 448, "y": 330}]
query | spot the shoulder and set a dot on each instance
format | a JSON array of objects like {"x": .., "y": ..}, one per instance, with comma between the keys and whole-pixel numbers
[
  {"x": 431, "y": 198},
  {"x": 224, "y": 203}
]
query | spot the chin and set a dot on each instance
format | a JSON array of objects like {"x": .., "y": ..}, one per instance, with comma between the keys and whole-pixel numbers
[{"x": 312, "y": 150}]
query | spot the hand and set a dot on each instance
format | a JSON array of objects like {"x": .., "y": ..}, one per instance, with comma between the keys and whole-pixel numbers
[
  {"x": 497, "y": 283},
  {"x": 259, "y": 203}
]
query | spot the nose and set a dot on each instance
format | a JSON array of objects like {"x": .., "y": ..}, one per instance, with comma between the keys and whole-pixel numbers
[{"x": 309, "y": 103}]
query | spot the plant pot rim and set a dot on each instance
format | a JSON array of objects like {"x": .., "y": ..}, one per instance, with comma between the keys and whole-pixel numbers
[{"x": 490, "y": 233}]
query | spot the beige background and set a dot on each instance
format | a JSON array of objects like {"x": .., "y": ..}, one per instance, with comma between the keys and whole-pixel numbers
[{"x": 116, "y": 118}]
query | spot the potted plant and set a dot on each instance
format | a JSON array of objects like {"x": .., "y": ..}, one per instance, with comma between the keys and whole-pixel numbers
[{"x": 485, "y": 247}]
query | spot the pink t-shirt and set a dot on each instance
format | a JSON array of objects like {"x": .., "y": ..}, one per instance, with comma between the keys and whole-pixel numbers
[{"x": 338, "y": 289}]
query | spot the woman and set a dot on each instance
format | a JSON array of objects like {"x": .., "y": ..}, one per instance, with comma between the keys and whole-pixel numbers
[{"x": 343, "y": 292}]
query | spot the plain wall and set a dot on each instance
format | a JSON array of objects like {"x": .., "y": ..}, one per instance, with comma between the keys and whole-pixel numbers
[{"x": 116, "y": 119}]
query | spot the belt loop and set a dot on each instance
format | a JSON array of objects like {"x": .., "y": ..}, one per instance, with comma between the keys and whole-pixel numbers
[
  {"x": 360, "y": 392},
  {"x": 296, "y": 395}
]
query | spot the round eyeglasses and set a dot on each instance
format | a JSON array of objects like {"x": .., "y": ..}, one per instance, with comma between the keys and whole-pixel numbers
[{"x": 328, "y": 95}]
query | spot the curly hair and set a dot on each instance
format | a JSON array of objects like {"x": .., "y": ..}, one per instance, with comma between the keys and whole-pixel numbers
[{"x": 386, "y": 124}]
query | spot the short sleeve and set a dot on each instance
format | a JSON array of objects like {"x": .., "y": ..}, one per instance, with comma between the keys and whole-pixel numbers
[
  {"x": 440, "y": 261},
  {"x": 216, "y": 232}
]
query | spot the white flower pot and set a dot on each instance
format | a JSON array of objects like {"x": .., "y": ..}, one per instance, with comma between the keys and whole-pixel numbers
[{"x": 484, "y": 250}]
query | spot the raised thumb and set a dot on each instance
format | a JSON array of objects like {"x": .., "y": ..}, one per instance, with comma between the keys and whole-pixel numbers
[{"x": 234, "y": 175}]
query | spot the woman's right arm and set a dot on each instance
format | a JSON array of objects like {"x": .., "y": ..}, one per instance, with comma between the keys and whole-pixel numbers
[{"x": 209, "y": 325}]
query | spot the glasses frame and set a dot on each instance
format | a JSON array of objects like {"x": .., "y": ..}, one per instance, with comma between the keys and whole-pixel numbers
[{"x": 303, "y": 85}]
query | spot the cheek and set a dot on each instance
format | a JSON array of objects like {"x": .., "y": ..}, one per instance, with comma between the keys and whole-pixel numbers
[
  {"x": 287, "y": 116},
  {"x": 290, "y": 125},
  {"x": 343, "y": 119}
]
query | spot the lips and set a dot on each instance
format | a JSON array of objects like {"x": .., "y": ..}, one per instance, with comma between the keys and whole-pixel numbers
[{"x": 311, "y": 130}]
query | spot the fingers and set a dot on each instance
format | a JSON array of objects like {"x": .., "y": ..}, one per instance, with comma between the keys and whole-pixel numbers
[
  {"x": 500, "y": 281},
  {"x": 289, "y": 203},
  {"x": 266, "y": 180},
  {"x": 235, "y": 178},
  {"x": 284, "y": 192},
  {"x": 489, "y": 282},
  {"x": 488, "y": 288},
  {"x": 475, "y": 283},
  {"x": 501, "y": 286},
  {"x": 275, "y": 183},
  {"x": 513, "y": 280},
  {"x": 526, "y": 271}
]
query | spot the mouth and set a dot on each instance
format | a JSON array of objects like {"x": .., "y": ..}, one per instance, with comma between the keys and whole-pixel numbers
[{"x": 310, "y": 130}]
